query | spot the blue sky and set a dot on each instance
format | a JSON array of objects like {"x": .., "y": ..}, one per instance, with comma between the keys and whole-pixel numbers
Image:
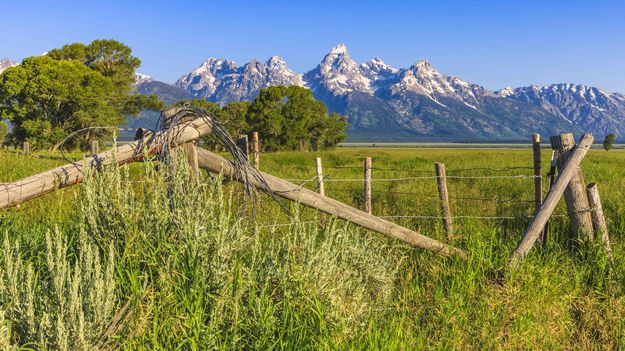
[{"x": 493, "y": 43}]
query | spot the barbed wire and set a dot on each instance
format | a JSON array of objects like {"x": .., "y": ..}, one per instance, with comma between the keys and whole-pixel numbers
[{"x": 337, "y": 180}]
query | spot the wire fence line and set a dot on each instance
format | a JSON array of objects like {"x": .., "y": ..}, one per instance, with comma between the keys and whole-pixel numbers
[
  {"x": 474, "y": 169},
  {"x": 346, "y": 180},
  {"x": 272, "y": 225},
  {"x": 456, "y": 174}
]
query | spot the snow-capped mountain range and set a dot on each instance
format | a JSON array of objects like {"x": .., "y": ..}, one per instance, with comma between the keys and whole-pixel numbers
[
  {"x": 224, "y": 81},
  {"x": 387, "y": 103},
  {"x": 416, "y": 103}
]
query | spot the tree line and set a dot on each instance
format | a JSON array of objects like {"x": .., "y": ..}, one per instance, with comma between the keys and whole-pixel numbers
[
  {"x": 82, "y": 86},
  {"x": 286, "y": 118}
]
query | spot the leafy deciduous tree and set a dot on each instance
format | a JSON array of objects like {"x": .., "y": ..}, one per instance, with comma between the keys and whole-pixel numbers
[
  {"x": 608, "y": 142},
  {"x": 286, "y": 118},
  {"x": 78, "y": 86}
]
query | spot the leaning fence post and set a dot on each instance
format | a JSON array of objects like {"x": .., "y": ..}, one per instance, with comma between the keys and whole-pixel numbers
[
  {"x": 26, "y": 148},
  {"x": 256, "y": 149},
  {"x": 320, "y": 177},
  {"x": 538, "y": 180},
  {"x": 368, "y": 185},
  {"x": 441, "y": 182},
  {"x": 243, "y": 145},
  {"x": 95, "y": 147},
  {"x": 598, "y": 217},
  {"x": 575, "y": 194},
  {"x": 546, "y": 209},
  {"x": 552, "y": 179}
]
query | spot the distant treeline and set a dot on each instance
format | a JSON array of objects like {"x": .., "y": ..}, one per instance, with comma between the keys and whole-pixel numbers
[{"x": 286, "y": 118}]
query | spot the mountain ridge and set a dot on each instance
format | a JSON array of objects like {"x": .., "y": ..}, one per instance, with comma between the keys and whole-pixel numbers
[{"x": 418, "y": 102}]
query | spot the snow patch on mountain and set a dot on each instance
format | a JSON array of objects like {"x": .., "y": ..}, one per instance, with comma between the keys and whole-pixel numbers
[
  {"x": 339, "y": 74},
  {"x": 221, "y": 80},
  {"x": 6, "y": 63},
  {"x": 142, "y": 78}
]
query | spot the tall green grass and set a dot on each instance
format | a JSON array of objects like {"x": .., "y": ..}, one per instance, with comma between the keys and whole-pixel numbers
[{"x": 142, "y": 258}]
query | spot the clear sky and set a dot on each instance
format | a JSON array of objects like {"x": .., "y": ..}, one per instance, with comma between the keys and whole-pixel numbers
[{"x": 492, "y": 43}]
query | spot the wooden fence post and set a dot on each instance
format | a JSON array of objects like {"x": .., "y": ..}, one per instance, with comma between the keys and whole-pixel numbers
[
  {"x": 95, "y": 147},
  {"x": 575, "y": 194},
  {"x": 367, "y": 184},
  {"x": 243, "y": 145},
  {"x": 552, "y": 179},
  {"x": 26, "y": 148},
  {"x": 538, "y": 180},
  {"x": 191, "y": 151},
  {"x": 598, "y": 217},
  {"x": 320, "y": 177},
  {"x": 256, "y": 148},
  {"x": 441, "y": 182},
  {"x": 546, "y": 209}
]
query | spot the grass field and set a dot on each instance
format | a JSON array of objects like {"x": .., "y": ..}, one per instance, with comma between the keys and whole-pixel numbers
[{"x": 132, "y": 260}]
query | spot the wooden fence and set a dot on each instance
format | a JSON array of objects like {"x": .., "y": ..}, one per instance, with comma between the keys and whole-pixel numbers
[{"x": 583, "y": 203}]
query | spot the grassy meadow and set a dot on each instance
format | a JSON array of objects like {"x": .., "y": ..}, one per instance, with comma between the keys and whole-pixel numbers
[{"x": 139, "y": 258}]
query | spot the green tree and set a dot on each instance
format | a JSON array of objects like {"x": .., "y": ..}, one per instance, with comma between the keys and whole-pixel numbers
[
  {"x": 234, "y": 116},
  {"x": 328, "y": 132},
  {"x": 78, "y": 86},
  {"x": 608, "y": 142},
  {"x": 286, "y": 118},
  {"x": 109, "y": 57},
  {"x": 289, "y": 118}
]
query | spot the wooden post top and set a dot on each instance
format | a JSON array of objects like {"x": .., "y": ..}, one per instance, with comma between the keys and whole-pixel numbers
[
  {"x": 564, "y": 141},
  {"x": 536, "y": 138}
]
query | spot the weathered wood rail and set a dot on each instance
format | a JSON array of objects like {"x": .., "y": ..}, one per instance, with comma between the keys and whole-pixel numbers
[
  {"x": 12, "y": 194},
  {"x": 216, "y": 164}
]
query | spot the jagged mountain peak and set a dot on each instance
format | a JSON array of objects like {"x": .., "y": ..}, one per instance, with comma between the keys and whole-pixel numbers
[
  {"x": 6, "y": 63},
  {"x": 505, "y": 92},
  {"x": 339, "y": 49},
  {"x": 423, "y": 64},
  {"x": 142, "y": 78},
  {"x": 377, "y": 64},
  {"x": 214, "y": 65},
  {"x": 338, "y": 73},
  {"x": 277, "y": 62},
  {"x": 424, "y": 68}
]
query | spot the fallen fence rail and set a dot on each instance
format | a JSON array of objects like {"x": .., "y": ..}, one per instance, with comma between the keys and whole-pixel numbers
[
  {"x": 216, "y": 164},
  {"x": 12, "y": 194}
]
